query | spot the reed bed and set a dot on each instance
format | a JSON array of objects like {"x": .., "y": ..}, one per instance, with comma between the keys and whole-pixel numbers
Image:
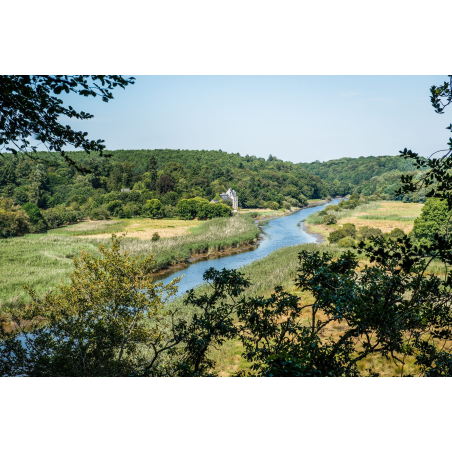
[
  {"x": 41, "y": 260},
  {"x": 92, "y": 228},
  {"x": 219, "y": 234}
]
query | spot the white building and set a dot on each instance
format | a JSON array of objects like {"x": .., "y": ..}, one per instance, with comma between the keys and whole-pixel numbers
[{"x": 231, "y": 195}]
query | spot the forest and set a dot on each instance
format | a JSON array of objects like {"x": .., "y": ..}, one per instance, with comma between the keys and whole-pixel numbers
[{"x": 37, "y": 196}]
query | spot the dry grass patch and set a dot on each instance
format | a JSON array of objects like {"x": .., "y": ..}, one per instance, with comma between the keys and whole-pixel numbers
[
  {"x": 140, "y": 228},
  {"x": 387, "y": 215}
]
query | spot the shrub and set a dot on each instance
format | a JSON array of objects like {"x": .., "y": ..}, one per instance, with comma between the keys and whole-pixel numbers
[
  {"x": 337, "y": 235},
  {"x": 272, "y": 205},
  {"x": 329, "y": 219},
  {"x": 397, "y": 233},
  {"x": 334, "y": 208},
  {"x": 365, "y": 232},
  {"x": 346, "y": 242},
  {"x": 53, "y": 218},
  {"x": 99, "y": 214},
  {"x": 349, "y": 229},
  {"x": 169, "y": 211},
  {"x": 155, "y": 237},
  {"x": 115, "y": 208},
  {"x": 188, "y": 209},
  {"x": 131, "y": 210},
  {"x": 322, "y": 213}
]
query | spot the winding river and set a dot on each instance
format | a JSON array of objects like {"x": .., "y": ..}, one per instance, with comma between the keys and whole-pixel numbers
[{"x": 277, "y": 233}]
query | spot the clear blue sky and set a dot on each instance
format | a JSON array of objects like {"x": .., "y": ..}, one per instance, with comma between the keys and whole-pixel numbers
[{"x": 296, "y": 118}]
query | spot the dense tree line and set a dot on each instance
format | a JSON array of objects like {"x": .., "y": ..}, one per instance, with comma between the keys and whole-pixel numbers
[
  {"x": 368, "y": 175},
  {"x": 158, "y": 180},
  {"x": 158, "y": 183}
]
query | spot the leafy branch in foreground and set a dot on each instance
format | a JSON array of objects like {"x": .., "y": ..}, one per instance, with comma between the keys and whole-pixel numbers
[
  {"x": 438, "y": 177},
  {"x": 30, "y": 108}
]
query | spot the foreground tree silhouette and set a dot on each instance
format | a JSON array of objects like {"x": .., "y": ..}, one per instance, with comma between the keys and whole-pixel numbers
[{"x": 30, "y": 108}]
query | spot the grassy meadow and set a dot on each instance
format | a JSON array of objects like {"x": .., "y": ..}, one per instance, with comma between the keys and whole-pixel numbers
[
  {"x": 385, "y": 215},
  {"x": 41, "y": 260},
  {"x": 141, "y": 228}
]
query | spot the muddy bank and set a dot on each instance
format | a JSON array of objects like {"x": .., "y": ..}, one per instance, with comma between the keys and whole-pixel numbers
[
  {"x": 319, "y": 238},
  {"x": 206, "y": 256}
]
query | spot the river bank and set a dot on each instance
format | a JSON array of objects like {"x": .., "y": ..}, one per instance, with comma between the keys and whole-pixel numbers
[
  {"x": 41, "y": 260},
  {"x": 280, "y": 232}
]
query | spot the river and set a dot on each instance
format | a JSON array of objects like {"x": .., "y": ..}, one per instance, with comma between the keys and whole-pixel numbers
[{"x": 277, "y": 233}]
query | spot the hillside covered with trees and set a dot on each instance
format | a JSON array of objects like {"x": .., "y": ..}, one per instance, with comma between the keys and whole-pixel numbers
[
  {"x": 53, "y": 194},
  {"x": 368, "y": 175}
]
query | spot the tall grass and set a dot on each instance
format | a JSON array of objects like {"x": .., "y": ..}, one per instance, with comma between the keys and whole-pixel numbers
[
  {"x": 92, "y": 228},
  {"x": 219, "y": 234},
  {"x": 40, "y": 260},
  {"x": 390, "y": 217}
]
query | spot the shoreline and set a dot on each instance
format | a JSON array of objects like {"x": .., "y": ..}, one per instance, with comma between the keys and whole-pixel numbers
[{"x": 163, "y": 272}]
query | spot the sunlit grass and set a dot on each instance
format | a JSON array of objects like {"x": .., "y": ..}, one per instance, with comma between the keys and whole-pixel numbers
[{"x": 40, "y": 260}]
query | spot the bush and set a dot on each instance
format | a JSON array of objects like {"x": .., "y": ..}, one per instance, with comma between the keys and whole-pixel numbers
[
  {"x": 99, "y": 214},
  {"x": 187, "y": 209},
  {"x": 349, "y": 229},
  {"x": 53, "y": 218},
  {"x": 337, "y": 235},
  {"x": 397, "y": 233},
  {"x": 365, "y": 232},
  {"x": 322, "y": 213},
  {"x": 346, "y": 242},
  {"x": 272, "y": 205},
  {"x": 329, "y": 219},
  {"x": 155, "y": 237},
  {"x": 131, "y": 210},
  {"x": 334, "y": 208},
  {"x": 169, "y": 211},
  {"x": 115, "y": 208}
]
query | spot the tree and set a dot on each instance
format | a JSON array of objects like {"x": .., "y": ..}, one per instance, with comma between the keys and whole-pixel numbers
[
  {"x": 152, "y": 170},
  {"x": 13, "y": 220},
  {"x": 165, "y": 184},
  {"x": 154, "y": 208},
  {"x": 30, "y": 107},
  {"x": 37, "y": 222},
  {"x": 434, "y": 219},
  {"x": 100, "y": 324}
]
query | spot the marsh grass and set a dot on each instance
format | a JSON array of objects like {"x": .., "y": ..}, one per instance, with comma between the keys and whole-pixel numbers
[
  {"x": 40, "y": 260},
  {"x": 92, "y": 228},
  {"x": 390, "y": 217}
]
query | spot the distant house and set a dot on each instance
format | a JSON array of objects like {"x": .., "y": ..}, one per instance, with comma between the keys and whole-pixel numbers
[
  {"x": 125, "y": 189},
  {"x": 231, "y": 195}
]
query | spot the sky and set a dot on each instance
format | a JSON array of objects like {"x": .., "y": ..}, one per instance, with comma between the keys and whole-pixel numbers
[{"x": 295, "y": 118}]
